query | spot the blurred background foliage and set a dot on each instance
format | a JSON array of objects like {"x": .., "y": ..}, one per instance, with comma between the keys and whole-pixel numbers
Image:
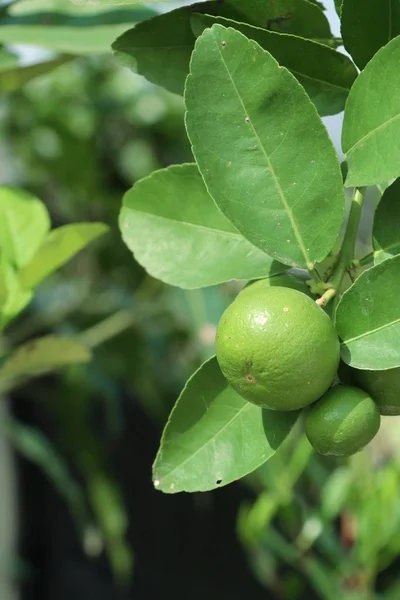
[{"x": 88, "y": 521}]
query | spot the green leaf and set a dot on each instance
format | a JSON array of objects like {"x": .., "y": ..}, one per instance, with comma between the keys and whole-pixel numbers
[
  {"x": 24, "y": 222},
  {"x": 367, "y": 25},
  {"x": 262, "y": 150},
  {"x": 160, "y": 48},
  {"x": 371, "y": 125},
  {"x": 386, "y": 231},
  {"x": 368, "y": 318},
  {"x": 13, "y": 296},
  {"x": 14, "y": 78},
  {"x": 325, "y": 74},
  {"x": 8, "y": 60},
  {"x": 178, "y": 235},
  {"x": 42, "y": 355},
  {"x": 59, "y": 247},
  {"x": 335, "y": 493},
  {"x": 214, "y": 436},
  {"x": 87, "y": 30}
]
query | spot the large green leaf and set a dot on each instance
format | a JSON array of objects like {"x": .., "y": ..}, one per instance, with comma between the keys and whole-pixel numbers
[
  {"x": 214, "y": 436},
  {"x": 367, "y": 25},
  {"x": 325, "y": 74},
  {"x": 177, "y": 233},
  {"x": 16, "y": 77},
  {"x": 13, "y": 296},
  {"x": 42, "y": 355},
  {"x": 160, "y": 48},
  {"x": 81, "y": 31},
  {"x": 386, "y": 231},
  {"x": 24, "y": 222},
  {"x": 262, "y": 150},
  {"x": 371, "y": 127},
  {"x": 368, "y": 318},
  {"x": 58, "y": 247}
]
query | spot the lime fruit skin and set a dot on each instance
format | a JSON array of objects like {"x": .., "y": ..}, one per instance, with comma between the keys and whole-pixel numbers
[
  {"x": 342, "y": 422},
  {"x": 383, "y": 386},
  {"x": 276, "y": 347}
]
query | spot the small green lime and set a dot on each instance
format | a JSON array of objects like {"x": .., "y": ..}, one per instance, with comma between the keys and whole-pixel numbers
[
  {"x": 342, "y": 422},
  {"x": 384, "y": 387},
  {"x": 276, "y": 347}
]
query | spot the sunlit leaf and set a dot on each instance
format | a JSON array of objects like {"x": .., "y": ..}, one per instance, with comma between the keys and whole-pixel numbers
[
  {"x": 177, "y": 233},
  {"x": 325, "y": 74},
  {"x": 214, "y": 436},
  {"x": 262, "y": 150},
  {"x": 58, "y": 247},
  {"x": 24, "y": 222},
  {"x": 368, "y": 318},
  {"x": 371, "y": 127}
]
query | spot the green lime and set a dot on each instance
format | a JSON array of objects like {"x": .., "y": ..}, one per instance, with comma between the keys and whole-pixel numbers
[
  {"x": 276, "y": 347},
  {"x": 384, "y": 387},
  {"x": 343, "y": 421}
]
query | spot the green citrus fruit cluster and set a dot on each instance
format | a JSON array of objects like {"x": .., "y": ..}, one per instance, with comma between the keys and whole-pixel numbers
[{"x": 279, "y": 350}]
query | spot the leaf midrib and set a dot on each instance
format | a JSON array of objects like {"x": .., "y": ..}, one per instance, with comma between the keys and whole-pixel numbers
[
  {"x": 281, "y": 194},
  {"x": 194, "y": 225},
  {"x": 363, "y": 335},
  {"x": 370, "y": 133},
  {"x": 327, "y": 83}
]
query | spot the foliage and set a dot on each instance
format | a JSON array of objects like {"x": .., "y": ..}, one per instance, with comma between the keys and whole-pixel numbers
[{"x": 266, "y": 194}]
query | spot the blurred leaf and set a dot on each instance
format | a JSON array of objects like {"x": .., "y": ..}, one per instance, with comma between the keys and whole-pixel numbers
[
  {"x": 15, "y": 78},
  {"x": 13, "y": 297},
  {"x": 42, "y": 355},
  {"x": 24, "y": 222},
  {"x": 214, "y": 436},
  {"x": 386, "y": 230},
  {"x": 338, "y": 6},
  {"x": 51, "y": 26},
  {"x": 372, "y": 118},
  {"x": 335, "y": 493},
  {"x": 177, "y": 233},
  {"x": 367, "y": 25},
  {"x": 246, "y": 127},
  {"x": 34, "y": 446},
  {"x": 110, "y": 511},
  {"x": 58, "y": 247},
  {"x": 160, "y": 48},
  {"x": 325, "y": 74},
  {"x": 8, "y": 60},
  {"x": 368, "y": 318},
  {"x": 374, "y": 528}
]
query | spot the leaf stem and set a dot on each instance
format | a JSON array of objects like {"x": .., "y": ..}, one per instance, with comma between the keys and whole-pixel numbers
[{"x": 346, "y": 254}]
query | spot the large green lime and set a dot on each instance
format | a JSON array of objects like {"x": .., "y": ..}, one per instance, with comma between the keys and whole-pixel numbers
[
  {"x": 384, "y": 387},
  {"x": 343, "y": 421},
  {"x": 276, "y": 347}
]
